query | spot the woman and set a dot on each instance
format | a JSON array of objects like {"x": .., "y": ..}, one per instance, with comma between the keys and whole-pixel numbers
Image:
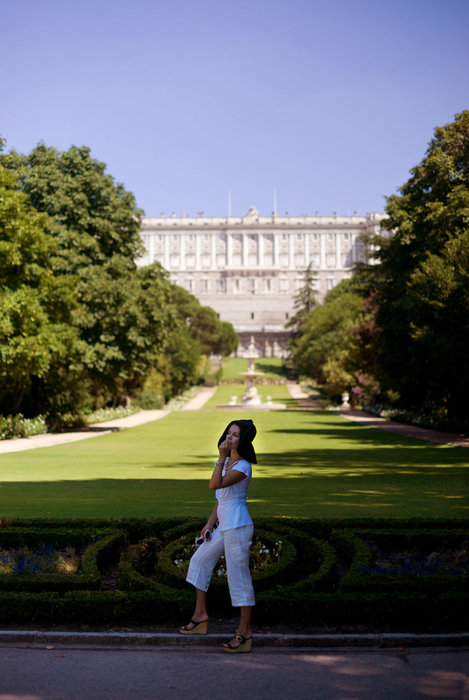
[{"x": 230, "y": 480}]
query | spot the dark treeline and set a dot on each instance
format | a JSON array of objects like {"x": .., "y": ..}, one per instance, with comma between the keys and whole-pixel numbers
[
  {"x": 81, "y": 326},
  {"x": 397, "y": 332}
]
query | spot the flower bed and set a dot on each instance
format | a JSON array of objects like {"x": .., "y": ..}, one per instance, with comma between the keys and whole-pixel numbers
[
  {"x": 36, "y": 559},
  {"x": 425, "y": 560},
  {"x": 44, "y": 559}
]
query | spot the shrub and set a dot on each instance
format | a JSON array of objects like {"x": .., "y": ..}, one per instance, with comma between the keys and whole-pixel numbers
[
  {"x": 323, "y": 575},
  {"x": 19, "y": 427}
]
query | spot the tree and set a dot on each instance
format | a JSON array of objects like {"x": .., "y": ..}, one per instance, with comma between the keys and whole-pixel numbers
[
  {"x": 228, "y": 339},
  {"x": 423, "y": 296},
  {"x": 213, "y": 336},
  {"x": 94, "y": 218},
  {"x": 326, "y": 338},
  {"x": 123, "y": 314},
  {"x": 38, "y": 344},
  {"x": 304, "y": 299}
]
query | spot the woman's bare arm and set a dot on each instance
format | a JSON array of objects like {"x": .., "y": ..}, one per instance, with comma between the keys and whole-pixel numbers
[
  {"x": 222, "y": 482},
  {"x": 213, "y": 518}
]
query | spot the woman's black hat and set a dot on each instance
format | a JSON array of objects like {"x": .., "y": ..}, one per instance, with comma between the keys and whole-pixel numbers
[{"x": 247, "y": 433}]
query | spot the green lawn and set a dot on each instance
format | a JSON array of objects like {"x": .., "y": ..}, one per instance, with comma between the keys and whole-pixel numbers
[
  {"x": 272, "y": 367},
  {"x": 310, "y": 464}
]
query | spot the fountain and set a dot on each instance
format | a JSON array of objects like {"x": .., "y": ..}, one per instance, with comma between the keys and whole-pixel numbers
[{"x": 251, "y": 398}]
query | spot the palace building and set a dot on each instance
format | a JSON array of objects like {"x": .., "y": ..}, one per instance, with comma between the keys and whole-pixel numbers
[{"x": 249, "y": 268}]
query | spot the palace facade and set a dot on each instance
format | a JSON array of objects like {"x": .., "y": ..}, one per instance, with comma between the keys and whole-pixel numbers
[{"x": 249, "y": 268}]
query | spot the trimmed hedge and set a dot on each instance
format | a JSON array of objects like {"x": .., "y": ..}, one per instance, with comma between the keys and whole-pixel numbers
[{"x": 324, "y": 575}]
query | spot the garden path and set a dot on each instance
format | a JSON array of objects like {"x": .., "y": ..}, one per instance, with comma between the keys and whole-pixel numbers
[
  {"x": 201, "y": 399},
  {"x": 452, "y": 439}
]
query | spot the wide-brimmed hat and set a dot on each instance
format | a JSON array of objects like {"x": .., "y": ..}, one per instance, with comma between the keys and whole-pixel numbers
[{"x": 247, "y": 433}]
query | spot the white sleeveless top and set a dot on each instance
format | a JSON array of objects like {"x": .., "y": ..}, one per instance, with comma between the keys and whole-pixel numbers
[{"x": 232, "y": 508}]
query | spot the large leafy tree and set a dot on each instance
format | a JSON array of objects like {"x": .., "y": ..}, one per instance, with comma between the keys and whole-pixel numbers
[
  {"x": 95, "y": 218},
  {"x": 214, "y": 337},
  {"x": 423, "y": 295},
  {"x": 326, "y": 336},
  {"x": 40, "y": 351},
  {"x": 123, "y": 315}
]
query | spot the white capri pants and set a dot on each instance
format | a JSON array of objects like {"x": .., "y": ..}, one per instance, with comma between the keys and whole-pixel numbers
[{"x": 235, "y": 545}]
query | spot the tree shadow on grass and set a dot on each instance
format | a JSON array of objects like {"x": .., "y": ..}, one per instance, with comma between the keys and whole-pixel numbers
[
  {"x": 331, "y": 462},
  {"x": 424, "y": 494},
  {"x": 361, "y": 434}
]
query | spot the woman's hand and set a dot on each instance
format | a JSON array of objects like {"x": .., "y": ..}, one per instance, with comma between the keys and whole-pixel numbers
[
  {"x": 207, "y": 526},
  {"x": 224, "y": 450}
]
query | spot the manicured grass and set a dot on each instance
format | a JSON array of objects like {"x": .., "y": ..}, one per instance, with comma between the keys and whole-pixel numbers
[
  {"x": 233, "y": 366},
  {"x": 311, "y": 464},
  {"x": 272, "y": 367}
]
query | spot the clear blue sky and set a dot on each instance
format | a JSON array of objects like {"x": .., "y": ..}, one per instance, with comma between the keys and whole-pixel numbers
[{"x": 330, "y": 102}]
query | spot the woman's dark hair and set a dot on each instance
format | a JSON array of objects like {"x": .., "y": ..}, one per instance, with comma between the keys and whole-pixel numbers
[{"x": 247, "y": 433}]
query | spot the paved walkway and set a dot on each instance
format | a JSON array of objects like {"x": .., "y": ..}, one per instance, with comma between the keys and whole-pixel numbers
[
  {"x": 304, "y": 400},
  {"x": 453, "y": 439},
  {"x": 201, "y": 399}
]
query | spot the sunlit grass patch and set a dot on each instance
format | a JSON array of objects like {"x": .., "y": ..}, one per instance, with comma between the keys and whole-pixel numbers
[{"x": 310, "y": 463}]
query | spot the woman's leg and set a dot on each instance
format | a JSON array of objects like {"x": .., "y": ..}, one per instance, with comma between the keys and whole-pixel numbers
[
  {"x": 200, "y": 572},
  {"x": 237, "y": 545},
  {"x": 244, "y": 627},
  {"x": 200, "y": 612}
]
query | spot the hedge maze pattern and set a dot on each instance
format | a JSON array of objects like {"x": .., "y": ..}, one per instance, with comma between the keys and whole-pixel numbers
[{"x": 411, "y": 575}]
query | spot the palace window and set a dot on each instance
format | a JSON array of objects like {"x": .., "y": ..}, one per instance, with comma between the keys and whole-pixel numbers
[
  {"x": 190, "y": 284},
  {"x": 236, "y": 286},
  {"x": 268, "y": 286},
  {"x": 205, "y": 285},
  {"x": 283, "y": 285}
]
